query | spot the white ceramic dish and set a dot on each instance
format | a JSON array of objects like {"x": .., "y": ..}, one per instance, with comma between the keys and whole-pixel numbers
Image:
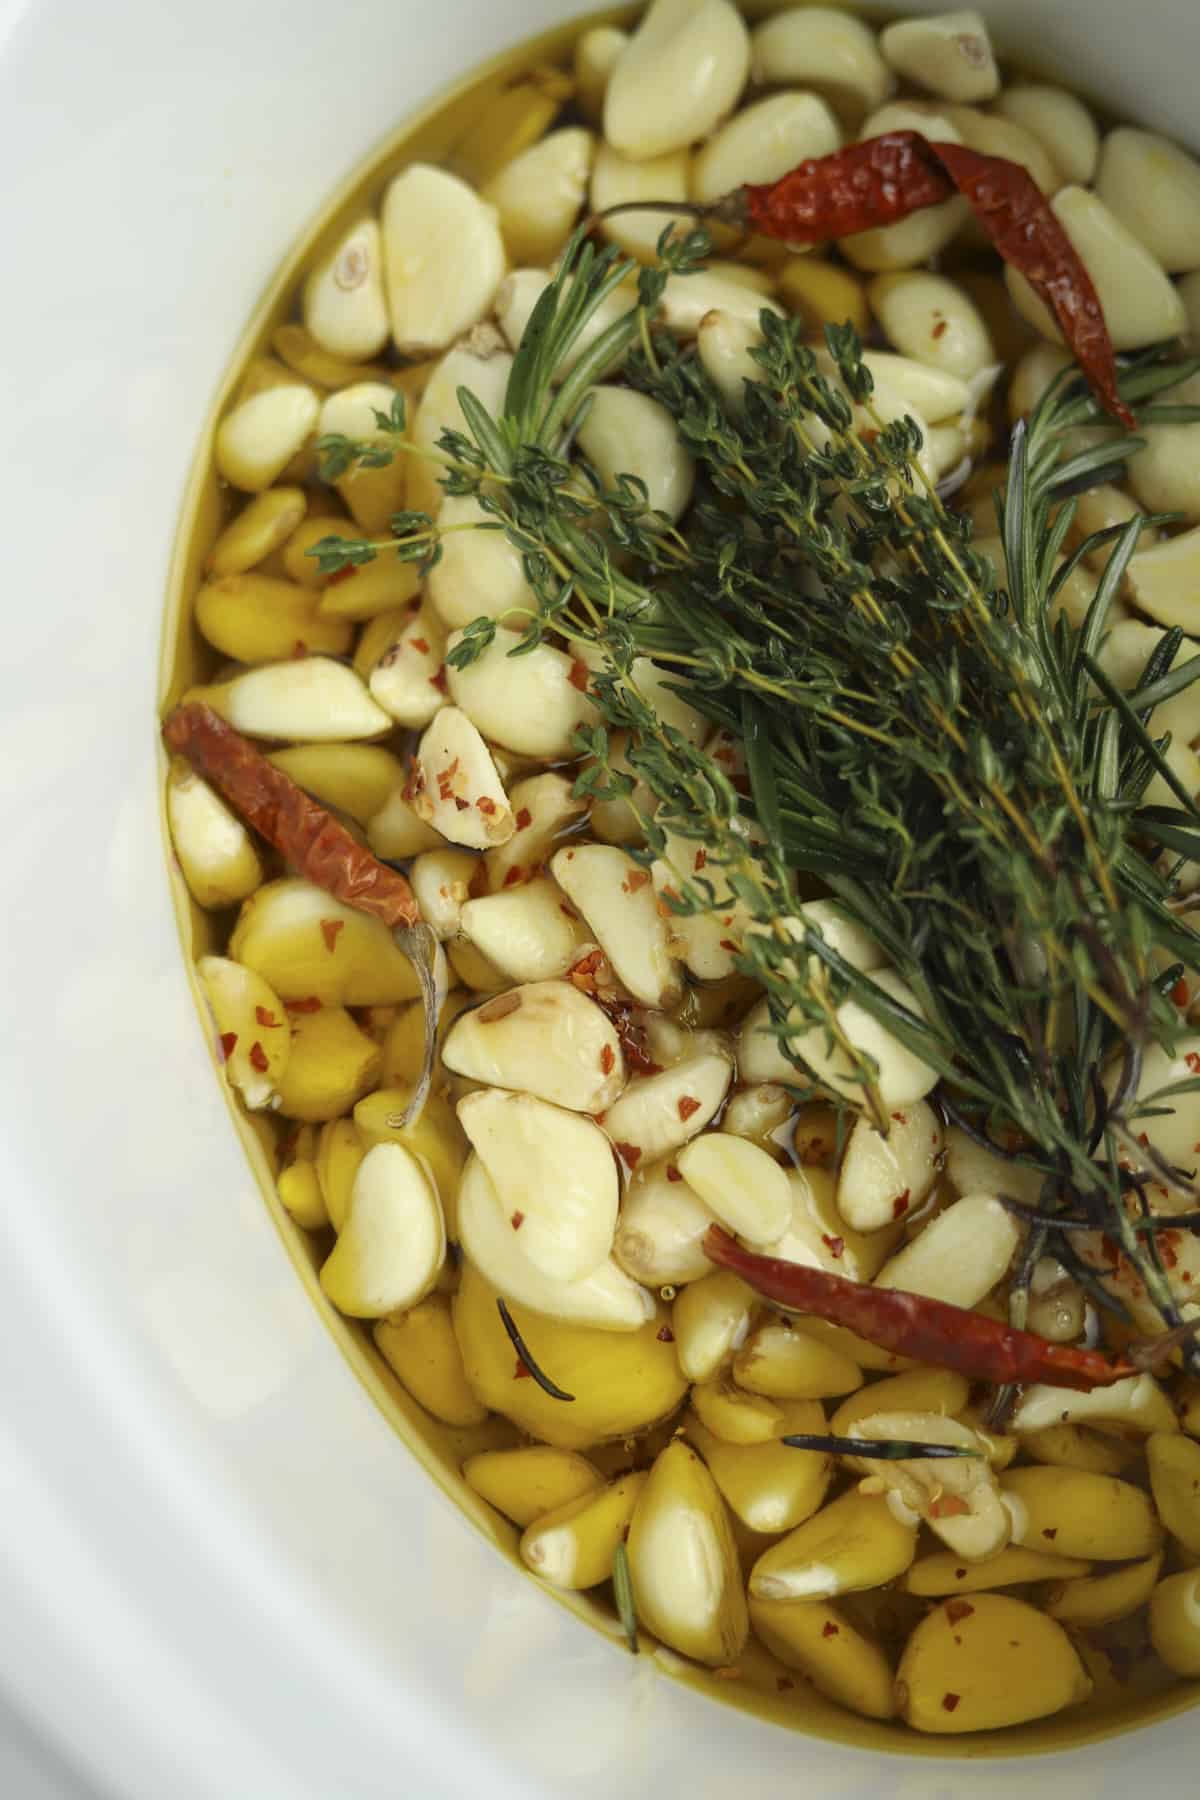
[{"x": 221, "y": 1577}]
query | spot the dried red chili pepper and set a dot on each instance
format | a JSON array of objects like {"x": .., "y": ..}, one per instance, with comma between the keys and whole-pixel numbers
[
  {"x": 322, "y": 849},
  {"x": 932, "y": 1331},
  {"x": 887, "y": 178},
  {"x": 304, "y": 832}
]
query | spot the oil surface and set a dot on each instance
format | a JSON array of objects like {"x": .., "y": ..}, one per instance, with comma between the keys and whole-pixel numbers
[{"x": 765, "y": 1686}]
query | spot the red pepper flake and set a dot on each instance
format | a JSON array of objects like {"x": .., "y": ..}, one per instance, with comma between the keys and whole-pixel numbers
[
  {"x": 834, "y": 1245},
  {"x": 1192, "y": 1059},
  {"x": 521, "y": 1372},
  {"x": 687, "y": 1106},
  {"x": 579, "y": 675},
  {"x": 637, "y": 878},
  {"x": 309, "y": 1005},
  {"x": 524, "y": 818},
  {"x": 665, "y": 1335},
  {"x": 486, "y": 805},
  {"x": 439, "y": 680},
  {"x": 517, "y": 1220},
  {"x": 421, "y": 644},
  {"x": 784, "y": 1684},
  {"x": 266, "y": 1018},
  {"x": 829, "y": 1629},
  {"x": 608, "y": 1057},
  {"x": 1180, "y": 993},
  {"x": 941, "y": 328},
  {"x": 1051, "y": 1532},
  {"x": 568, "y": 912},
  {"x": 958, "y": 1610},
  {"x": 228, "y": 1043},
  {"x": 299, "y": 650},
  {"x": 461, "y": 804},
  {"x": 515, "y": 875},
  {"x": 948, "y": 1506},
  {"x": 258, "y": 1057},
  {"x": 900, "y": 1118},
  {"x": 960, "y": 1574},
  {"x": 698, "y": 862},
  {"x": 341, "y": 575},
  {"x": 329, "y": 931},
  {"x": 900, "y": 1204},
  {"x": 630, "y": 1154},
  {"x": 499, "y": 1008},
  {"x": 728, "y": 944},
  {"x": 950, "y": 1701},
  {"x": 741, "y": 783},
  {"x": 673, "y": 1173}
]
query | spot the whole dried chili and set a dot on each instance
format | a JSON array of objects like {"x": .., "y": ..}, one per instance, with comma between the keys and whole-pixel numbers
[
  {"x": 932, "y": 1331},
  {"x": 304, "y": 832},
  {"x": 885, "y": 179},
  {"x": 321, "y": 848}
]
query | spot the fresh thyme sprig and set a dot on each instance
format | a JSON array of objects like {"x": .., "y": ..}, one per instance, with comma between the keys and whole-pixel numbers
[{"x": 944, "y": 755}]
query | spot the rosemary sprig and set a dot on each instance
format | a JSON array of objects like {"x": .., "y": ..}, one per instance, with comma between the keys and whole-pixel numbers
[
  {"x": 926, "y": 739},
  {"x": 623, "y": 1595},
  {"x": 880, "y": 1449},
  {"x": 522, "y": 1349}
]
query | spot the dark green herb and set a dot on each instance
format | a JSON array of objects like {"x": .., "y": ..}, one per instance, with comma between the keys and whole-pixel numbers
[
  {"x": 522, "y": 1349},
  {"x": 879, "y": 1449},
  {"x": 623, "y": 1595}
]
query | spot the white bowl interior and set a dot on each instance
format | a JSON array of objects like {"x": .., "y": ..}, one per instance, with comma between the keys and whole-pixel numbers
[{"x": 222, "y": 1574}]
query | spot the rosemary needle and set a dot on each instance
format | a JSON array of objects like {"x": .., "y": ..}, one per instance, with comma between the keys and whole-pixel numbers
[
  {"x": 522, "y": 1349},
  {"x": 623, "y": 1594},
  {"x": 883, "y": 1449}
]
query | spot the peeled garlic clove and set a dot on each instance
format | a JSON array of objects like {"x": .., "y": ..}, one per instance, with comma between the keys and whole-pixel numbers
[
  {"x": 255, "y": 618},
  {"x": 974, "y": 1170},
  {"x": 902, "y": 1077},
  {"x": 710, "y": 1320},
  {"x": 916, "y": 1391},
  {"x": 681, "y": 71},
  {"x": 930, "y": 318},
  {"x": 819, "y": 1640},
  {"x": 1175, "y": 1622},
  {"x": 827, "y": 50},
  {"x": 762, "y": 142},
  {"x": 520, "y": 293},
  {"x": 596, "y": 53},
  {"x": 309, "y": 946},
  {"x": 657, "y": 1113},
  {"x": 263, "y": 525},
  {"x": 532, "y": 704},
  {"x": 1140, "y": 304},
  {"x": 258, "y": 439},
  {"x": 527, "y": 1483},
  {"x": 309, "y": 698},
  {"x": 390, "y": 1250},
  {"x": 659, "y": 1238},
  {"x": 340, "y": 1150},
  {"x": 1153, "y": 188},
  {"x": 331, "y": 1065},
  {"x": 616, "y": 897},
  {"x": 455, "y": 785},
  {"x": 215, "y": 850},
  {"x": 544, "y": 1038},
  {"x": 770, "y": 1486},
  {"x": 960, "y": 1255},
  {"x": 527, "y": 931},
  {"x": 344, "y": 304},
  {"x": 1060, "y": 122},
  {"x": 444, "y": 258},
  {"x": 1174, "y": 1464},
  {"x": 554, "y": 1175},
  {"x": 604, "y": 1299},
  {"x": 627, "y": 433},
  {"x": 407, "y": 679},
  {"x": 482, "y": 365},
  {"x": 575, "y": 1545},
  {"x": 724, "y": 342},
  {"x": 618, "y": 179},
  {"x": 420, "y": 1348},
  {"x": 883, "y": 1178},
  {"x": 1075, "y": 1513},
  {"x": 934, "y": 394},
  {"x": 987, "y": 1663},
  {"x": 397, "y": 833},
  {"x": 623, "y": 1381},
  {"x": 252, "y": 1027},
  {"x": 942, "y": 1572},
  {"x": 949, "y": 55},
  {"x": 440, "y": 881},
  {"x": 683, "y": 1562},
  {"x": 1136, "y": 1404},
  {"x": 538, "y": 195},
  {"x": 1163, "y": 582},
  {"x": 741, "y": 1182},
  {"x": 479, "y": 573},
  {"x": 783, "y": 1363},
  {"x": 853, "y": 1543}
]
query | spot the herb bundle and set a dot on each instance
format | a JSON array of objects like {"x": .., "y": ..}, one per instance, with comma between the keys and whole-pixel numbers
[{"x": 942, "y": 754}]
